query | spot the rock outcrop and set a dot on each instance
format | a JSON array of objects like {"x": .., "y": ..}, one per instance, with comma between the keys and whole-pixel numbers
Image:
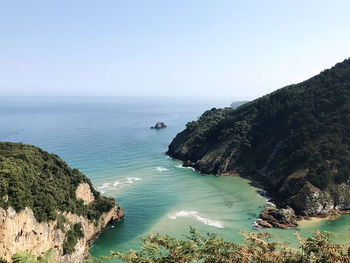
[
  {"x": 159, "y": 125},
  {"x": 84, "y": 193},
  {"x": 279, "y": 218}
]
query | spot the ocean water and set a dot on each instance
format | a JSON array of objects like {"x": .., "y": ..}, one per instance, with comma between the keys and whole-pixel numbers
[{"x": 109, "y": 140}]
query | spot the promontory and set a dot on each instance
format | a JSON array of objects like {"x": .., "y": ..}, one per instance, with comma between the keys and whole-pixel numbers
[
  {"x": 44, "y": 204},
  {"x": 294, "y": 141}
]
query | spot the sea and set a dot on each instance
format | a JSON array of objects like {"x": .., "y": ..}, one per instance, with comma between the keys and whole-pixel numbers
[{"x": 110, "y": 141}]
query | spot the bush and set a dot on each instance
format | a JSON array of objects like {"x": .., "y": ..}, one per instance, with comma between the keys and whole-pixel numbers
[
  {"x": 72, "y": 236},
  {"x": 258, "y": 247}
]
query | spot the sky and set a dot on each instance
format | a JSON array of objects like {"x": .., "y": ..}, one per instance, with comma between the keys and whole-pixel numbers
[{"x": 174, "y": 48}]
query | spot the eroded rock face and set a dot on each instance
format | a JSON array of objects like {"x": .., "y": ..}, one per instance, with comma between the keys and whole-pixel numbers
[
  {"x": 280, "y": 218},
  {"x": 311, "y": 201},
  {"x": 84, "y": 193},
  {"x": 20, "y": 231}
]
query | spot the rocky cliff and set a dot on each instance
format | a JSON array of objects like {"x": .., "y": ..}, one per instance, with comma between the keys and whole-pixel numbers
[
  {"x": 45, "y": 205},
  {"x": 21, "y": 231},
  {"x": 294, "y": 141}
]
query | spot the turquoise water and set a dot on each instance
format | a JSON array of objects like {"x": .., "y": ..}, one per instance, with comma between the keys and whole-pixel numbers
[{"x": 110, "y": 141}]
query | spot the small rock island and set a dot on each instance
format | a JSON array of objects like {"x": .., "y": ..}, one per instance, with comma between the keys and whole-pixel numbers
[{"x": 159, "y": 125}]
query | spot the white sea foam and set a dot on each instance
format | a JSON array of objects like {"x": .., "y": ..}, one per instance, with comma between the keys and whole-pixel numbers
[
  {"x": 182, "y": 213},
  {"x": 185, "y": 167},
  {"x": 256, "y": 223},
  {"x": 115, "y": 184},
  {"x": 118, "y": 184},
  {"x": 195, "y": 215},
  {"x": 268, "y": 199},
  {"x": 103, "y": 186},
  {"x": 162, "y": 169},
  {"x": 210, "y": 222},
  {"x": 131, "y": 180},
  {"x": 269, "y": 203}
]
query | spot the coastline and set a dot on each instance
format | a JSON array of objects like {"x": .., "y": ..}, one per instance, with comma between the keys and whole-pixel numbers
[
  {"x": 311, "y": 221},
  {"x": 272, "y": 201}
]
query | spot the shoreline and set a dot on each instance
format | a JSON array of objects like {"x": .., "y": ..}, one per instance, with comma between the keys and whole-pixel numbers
[
  {"x": 311, "y": 221},
  {"x": 302, "y": 221}
]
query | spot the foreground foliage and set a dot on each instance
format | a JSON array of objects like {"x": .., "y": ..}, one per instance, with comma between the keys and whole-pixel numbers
[{"x": 258, "y": 247}]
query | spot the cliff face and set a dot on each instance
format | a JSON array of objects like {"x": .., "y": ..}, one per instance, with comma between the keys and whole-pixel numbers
[
  {"x": 294, "y": 141},
  {"x": 21, "y": 231}
]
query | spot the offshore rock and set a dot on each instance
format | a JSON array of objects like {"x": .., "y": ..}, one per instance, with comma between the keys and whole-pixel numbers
[{"x": 159, "y": 125}]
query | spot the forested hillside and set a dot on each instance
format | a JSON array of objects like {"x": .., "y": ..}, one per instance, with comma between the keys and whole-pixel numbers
[{"x": 295, "y": 141}]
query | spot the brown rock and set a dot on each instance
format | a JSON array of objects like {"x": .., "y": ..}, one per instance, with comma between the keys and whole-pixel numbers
[
  {"x": 84, "y": 193},
  {"x": 280, "y": 218},
  {"x": 264, "y": 224}
]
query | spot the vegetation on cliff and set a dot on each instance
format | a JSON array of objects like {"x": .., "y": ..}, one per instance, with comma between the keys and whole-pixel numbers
[
  {"x": 72, "y": 237},
  {"x": 258, "y": 247},
  {"x": 31, "y": 177},
  {"x": 295, "y": 141}
]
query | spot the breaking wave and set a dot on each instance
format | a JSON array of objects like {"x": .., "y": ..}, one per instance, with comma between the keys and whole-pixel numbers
[
  {"x": 181, "y": 166},
  {"x": 131, "y": 180},
  {"x": 118, "y": 184},
  {"x": 103, "y": 186},
  {"x": 161, "y": 169},
  {"x": 115, "y": 184},
  {"x": 194, "y": 214}
]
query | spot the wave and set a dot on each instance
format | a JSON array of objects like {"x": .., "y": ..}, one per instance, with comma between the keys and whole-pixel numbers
[
  {"x": 194, "y": 214},
  {"x": 131, "y": 180},
  {"x": 116, "y": 183},
  {"x": 161, "y": 169},
  {"x": 185, "y": 167},
  {"x": 210, "y": 222},
  {"x": 268, "y": 199},
  {"x": 103, "y": 186},
  {"x": 183, "y": 213}
]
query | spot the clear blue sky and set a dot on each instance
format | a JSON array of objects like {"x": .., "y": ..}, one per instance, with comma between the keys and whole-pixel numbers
[{"x": 184, "y": 48}]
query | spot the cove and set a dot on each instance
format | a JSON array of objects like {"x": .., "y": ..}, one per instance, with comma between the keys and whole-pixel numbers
[{"x": 109, "y": 140}]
